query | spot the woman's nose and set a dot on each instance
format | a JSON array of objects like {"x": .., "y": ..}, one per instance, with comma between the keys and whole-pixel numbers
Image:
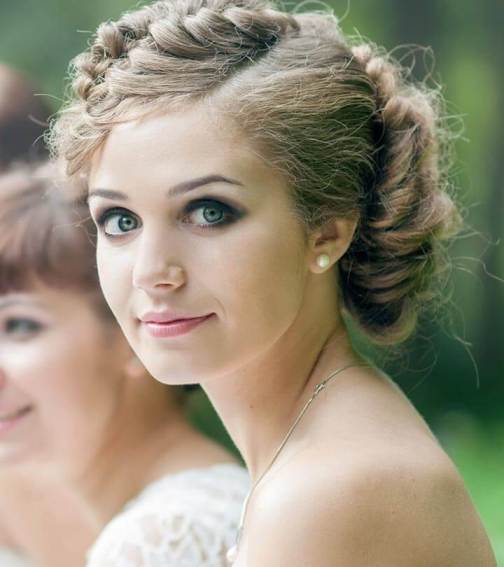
[
  {"x": 156, "y": 268},
  {"x": 156, "y": 277}
]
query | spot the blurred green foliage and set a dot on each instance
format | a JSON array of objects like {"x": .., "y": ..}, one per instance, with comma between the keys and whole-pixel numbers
[
  {"x": 455, "y": 366},
  {"x": 478, "y": 451}
]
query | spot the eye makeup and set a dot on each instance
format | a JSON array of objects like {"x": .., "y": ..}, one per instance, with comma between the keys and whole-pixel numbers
[
  {"x": 213, "y": 213},
  {"x": 208, "y": 213},
  {"x": 20, "y": 327}
]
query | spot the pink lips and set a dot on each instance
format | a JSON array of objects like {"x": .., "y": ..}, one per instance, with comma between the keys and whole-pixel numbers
[
  {"x": 167, "y": 324},
  {"x": 9, "y": 420}
]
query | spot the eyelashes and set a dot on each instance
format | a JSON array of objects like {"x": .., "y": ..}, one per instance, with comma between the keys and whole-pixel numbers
[
  {"x": 205, "y": 213},
  {"x": 117, "y": 221},
  {"x": 21, "y": 327},
  {"x": 211, "y": 213}
]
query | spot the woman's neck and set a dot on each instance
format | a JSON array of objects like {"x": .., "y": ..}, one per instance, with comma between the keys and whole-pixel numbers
[
  {"x": 141, "y": 447},
  {"x": 260, "y": 402},
  {"x": 54, "y": 514}
]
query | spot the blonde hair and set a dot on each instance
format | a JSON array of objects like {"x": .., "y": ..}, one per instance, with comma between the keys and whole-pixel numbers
[{"x": 352, "y": 133}]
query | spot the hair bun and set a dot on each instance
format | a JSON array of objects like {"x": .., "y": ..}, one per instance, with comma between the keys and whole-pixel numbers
[{"x": 389, "y": 269}]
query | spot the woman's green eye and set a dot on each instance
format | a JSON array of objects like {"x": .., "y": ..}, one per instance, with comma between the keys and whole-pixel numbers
[
  {"x": 212, "y": 214},
  {"x": 19, "y": 326},
  {"x": 204, "y": 213},
  {"x": 119, "y": 223},
  {"x": 208, "y": 214}
]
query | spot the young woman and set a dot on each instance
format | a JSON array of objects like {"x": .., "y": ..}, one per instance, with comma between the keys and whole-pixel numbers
[
  {"x": 254, "y": 177},
  {"x": 90, "y": 447}
]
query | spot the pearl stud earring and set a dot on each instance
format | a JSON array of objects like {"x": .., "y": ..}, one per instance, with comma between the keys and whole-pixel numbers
[{"x": 323, "y": 261}]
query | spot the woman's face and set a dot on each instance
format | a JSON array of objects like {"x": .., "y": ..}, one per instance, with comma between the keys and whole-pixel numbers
[
  {"x": 60, "y": 375},
  {"x": 194, "y": 226}
]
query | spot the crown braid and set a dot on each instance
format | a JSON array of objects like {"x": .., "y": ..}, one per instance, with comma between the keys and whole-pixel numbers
[
  {"x": 352, "y": 134},
  {"x": 387, "y": 271}
]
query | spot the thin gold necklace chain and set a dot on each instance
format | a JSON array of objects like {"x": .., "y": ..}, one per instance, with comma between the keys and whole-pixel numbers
[{"x": 316, "y": 391}]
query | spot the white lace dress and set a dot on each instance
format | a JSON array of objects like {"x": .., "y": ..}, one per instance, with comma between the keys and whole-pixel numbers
[
  {"x": 188, "y": 519},
  {"x": 11, "y": 559}
]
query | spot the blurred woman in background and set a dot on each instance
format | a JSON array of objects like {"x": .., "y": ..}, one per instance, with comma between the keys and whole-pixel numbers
[{"x": 91, "y": 448}]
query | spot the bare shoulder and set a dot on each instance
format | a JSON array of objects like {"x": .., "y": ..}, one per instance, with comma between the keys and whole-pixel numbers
[{"x": 392, "y": 511}]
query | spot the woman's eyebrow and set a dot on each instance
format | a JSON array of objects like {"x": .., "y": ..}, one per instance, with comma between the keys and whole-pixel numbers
[
  {"x": 6, "y": 302},
  {"x": 108, "y": 194},
  {"x": 199, "y": 182},
  {"x": 177, "y": 189}
]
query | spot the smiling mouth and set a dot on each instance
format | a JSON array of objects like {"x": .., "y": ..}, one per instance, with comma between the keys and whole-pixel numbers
[
  {"x": 6, "y": 418},
  {"x": 173, "y": 328}
]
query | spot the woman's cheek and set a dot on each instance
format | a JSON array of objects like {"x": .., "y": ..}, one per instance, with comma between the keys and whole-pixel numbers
[
  {"x": 114, "y": 275},
  {"x": 267, "y": 287}
]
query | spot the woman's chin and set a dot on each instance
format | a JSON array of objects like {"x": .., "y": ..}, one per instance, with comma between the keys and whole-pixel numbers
[
  {"x": 16, "y": 456},
  {"x": 172, "y": 376},
  {"x": 177, "y": 368}
]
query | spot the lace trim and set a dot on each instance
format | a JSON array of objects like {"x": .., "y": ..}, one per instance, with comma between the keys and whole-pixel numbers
[
  {"x": 184, "y": 520},
  {"x": 9, "y": 558}
]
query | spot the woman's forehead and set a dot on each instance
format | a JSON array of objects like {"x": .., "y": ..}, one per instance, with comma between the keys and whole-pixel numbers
[{"x": 175, "y": 149}]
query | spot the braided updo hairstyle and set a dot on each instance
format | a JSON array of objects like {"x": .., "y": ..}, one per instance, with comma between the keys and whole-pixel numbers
[{"x": 353, "y": 134}]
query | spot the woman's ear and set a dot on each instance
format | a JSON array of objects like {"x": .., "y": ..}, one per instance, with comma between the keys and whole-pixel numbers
[{"x": 329, "y": 242}]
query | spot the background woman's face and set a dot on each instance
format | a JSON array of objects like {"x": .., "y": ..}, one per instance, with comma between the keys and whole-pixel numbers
[
  {"x": 193, "y": 224},
  {"x": 59, "y": 375}
]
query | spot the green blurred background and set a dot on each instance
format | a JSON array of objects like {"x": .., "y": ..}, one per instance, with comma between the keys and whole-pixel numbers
[{"x": 453, "y": 370}]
